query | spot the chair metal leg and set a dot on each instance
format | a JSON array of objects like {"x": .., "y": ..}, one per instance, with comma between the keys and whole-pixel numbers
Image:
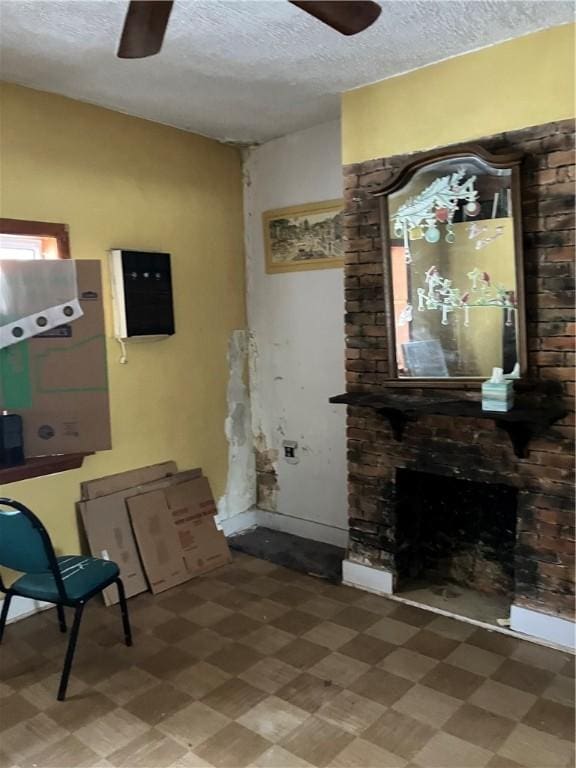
[
  {"x": 61, "y": 617},
  {"x": 124, "y": 612},
  {"x": 70, "y": 652},
  {"x": 5, "y": 608}
]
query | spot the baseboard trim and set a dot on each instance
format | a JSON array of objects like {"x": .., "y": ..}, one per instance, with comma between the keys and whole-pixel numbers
[
  {"x": 297, "y": 526},
  {"x": 376, "y": 580},
  {"x": 22, "y": 607},
  {"x": 551, "y": 629}
]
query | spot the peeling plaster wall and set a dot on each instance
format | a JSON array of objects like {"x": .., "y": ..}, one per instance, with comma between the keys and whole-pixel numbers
[
  {"x": 240, "y": 494},
  {"x": 297, "y": 343}
]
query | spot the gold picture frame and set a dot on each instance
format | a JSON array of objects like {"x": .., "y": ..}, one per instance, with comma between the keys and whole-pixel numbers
[{"x": 304, "y": 237}]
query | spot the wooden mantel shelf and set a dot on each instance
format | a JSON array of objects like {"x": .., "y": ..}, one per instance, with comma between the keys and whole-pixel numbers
[
  {"x": 522, "y": 423},
  {"x": 41, "y": 465}
]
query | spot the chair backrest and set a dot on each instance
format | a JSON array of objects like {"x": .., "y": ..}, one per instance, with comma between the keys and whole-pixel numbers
[{"x": 24, "y": 542}]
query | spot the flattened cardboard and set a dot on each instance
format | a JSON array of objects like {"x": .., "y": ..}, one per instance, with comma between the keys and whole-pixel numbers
[
  {"x": 176, "y": 533},
  {"x": 57, "y": 381},
  {"x": 109, "y": 532},
  {"x": 103, "y": 486}
]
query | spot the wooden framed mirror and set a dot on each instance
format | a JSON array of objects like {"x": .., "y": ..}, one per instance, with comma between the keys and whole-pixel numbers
[{"x": 453, "y": 268}]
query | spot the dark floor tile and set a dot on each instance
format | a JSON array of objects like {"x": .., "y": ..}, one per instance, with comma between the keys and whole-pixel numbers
[
  {"x": 430, "y": 644},
  {"x": 523, "y": 676},
  {"x": 452, "y": 681},
  {"x": 479, "y": 727},
  {"x": 157, "y": 703},
  {"x": 368, "y": 649},
  {"x": 553, "y": 718}
]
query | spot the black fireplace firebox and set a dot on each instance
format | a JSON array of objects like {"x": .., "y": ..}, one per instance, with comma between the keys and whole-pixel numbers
[{"x": 455, "y": 531}]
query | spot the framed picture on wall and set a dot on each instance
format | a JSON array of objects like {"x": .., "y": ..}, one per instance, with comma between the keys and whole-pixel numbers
[{"x": 304, "y": 237}]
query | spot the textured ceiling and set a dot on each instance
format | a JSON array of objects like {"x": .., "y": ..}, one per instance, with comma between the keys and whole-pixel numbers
[{"x": 244, "y": 70}]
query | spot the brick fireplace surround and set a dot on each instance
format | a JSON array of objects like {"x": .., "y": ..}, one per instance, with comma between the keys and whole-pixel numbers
[{"x": 475, "y": 450}]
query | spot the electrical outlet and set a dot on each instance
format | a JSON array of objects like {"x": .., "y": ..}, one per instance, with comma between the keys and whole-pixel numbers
[{"x": 290, "y": 451}]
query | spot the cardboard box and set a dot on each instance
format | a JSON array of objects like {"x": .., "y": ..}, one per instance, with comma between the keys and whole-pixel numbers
[
  {"x": 57, "y": 381},
  {"x": 109, "y": 532},
  {"x": 103, "y": 486},
  {"x": 176, "y": 533}
]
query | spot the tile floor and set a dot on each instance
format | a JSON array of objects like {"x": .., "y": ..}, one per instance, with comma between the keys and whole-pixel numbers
[{"x": 256, "y": 665}]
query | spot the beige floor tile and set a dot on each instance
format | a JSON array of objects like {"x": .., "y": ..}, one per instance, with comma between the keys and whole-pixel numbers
[
  {"x": 69, "y": 752},
  {"x": 329, "y": 635},
  {"x": 111, "y": 732},
  {"x": 125, "y": 685},
  {"x": 190, "y": 760},
  {"x": 409, "y": 664},
  {"x": 351, "y": 712},
  {"x": 267, "y": 640},
  {"x": 30, "y": 736},
  {"x": 200, "y": 679},
  {"x": 233, "y": 698},
  {"x": 446, "y": 751},
  {"x": 233, "y": 747},
  {"x": 151, "y": 750},
  {"x": 278, "y": 757},
  {"x": 208, "y": 614},
  {"x": 203, "y": 643},
  {"x": 428, "y": 706},
  {"x": 400, "y": 734},
  {"x": 480, "y": 727},
  {"x": 317, "y": 741},
  {"x": 193, "y": 724},
  {"x": 541, "y": 657},
  {"x": 502, "y": 699},
  {"x": 535, "y": 749},
  {"x": 269, "y": 674},
  {"x": 381, "y": 686},
  {"x": 76, "y": 712},
  {"x": 362, "y": 754},
  {"x": 273, "y": 718},
  {"x": 475, "y": 659},
  {"x": 339, "y": 669},
  {"x": 391, "y": 631}
]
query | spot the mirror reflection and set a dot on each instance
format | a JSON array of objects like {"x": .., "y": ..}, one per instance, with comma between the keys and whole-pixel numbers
[{"x": 453, "y": 267}]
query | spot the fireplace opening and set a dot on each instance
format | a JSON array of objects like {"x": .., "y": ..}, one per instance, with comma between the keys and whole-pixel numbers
[{"x": 455, "y": 542}]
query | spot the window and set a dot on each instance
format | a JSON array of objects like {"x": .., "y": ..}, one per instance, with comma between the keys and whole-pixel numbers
[{"x": 28, "y": 240}]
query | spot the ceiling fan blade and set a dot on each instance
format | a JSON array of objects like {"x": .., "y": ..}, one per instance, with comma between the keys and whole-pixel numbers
[
  {"x": 346, "y": 16},
  {"x": 144, "y": 28}
]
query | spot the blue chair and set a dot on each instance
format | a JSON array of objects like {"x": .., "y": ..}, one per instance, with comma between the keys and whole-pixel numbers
[{"x": 71, "y": 580}]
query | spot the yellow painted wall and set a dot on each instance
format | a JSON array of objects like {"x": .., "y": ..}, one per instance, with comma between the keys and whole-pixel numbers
[
  {"x": 119, "y": 181},
  {"x": 523, "y": 82}
]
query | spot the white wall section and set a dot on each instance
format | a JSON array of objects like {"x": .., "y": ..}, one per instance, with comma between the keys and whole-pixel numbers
[{"x": 297, "y": 324}]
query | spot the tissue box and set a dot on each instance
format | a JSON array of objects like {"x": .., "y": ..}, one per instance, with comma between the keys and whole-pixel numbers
[{"x": 497, "y": 396}]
